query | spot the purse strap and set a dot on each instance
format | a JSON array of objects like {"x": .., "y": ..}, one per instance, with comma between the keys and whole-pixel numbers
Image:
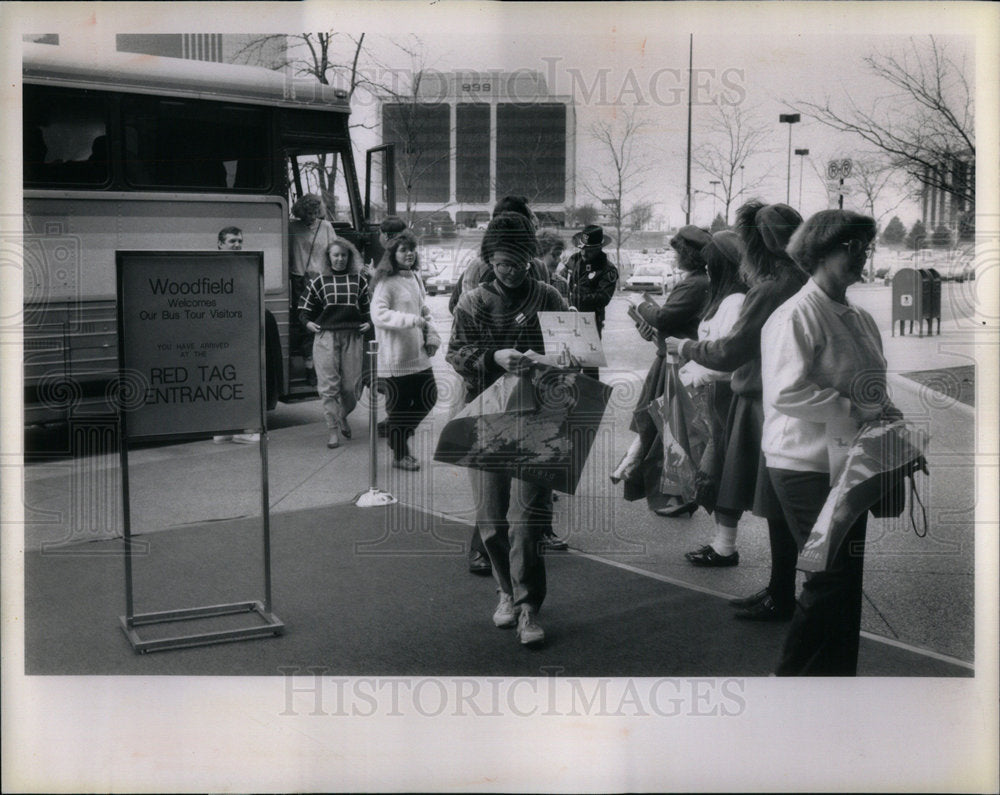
[{"x": 915, "y": 497}]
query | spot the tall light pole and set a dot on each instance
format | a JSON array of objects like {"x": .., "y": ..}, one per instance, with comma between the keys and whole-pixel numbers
[
  {"x": 801, "y": 153},
  {"x": 713, "y": 183},
  {"x": 789, "y": 119}
]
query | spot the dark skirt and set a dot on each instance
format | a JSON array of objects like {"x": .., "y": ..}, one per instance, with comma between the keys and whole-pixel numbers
[{"x": 744, "y": 484}]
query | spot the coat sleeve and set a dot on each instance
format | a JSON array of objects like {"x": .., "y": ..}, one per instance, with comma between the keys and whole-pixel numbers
[
  {"x": 310, "y": 304},
  {"x": 742, "y": 344},
  {"x": 683, "y": 305},
  {"x": 786, "y": 362},
  {"x": 382, "y": 313},
  {"x": 364, "y": 299},
  {"x": 471, "y": 348}
]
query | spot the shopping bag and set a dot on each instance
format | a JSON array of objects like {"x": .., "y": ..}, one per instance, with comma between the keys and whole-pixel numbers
[
  {"x": 683, "y": 427},
  {"x": 539, "y": 427},
  {"x": 880, "y": 459}
]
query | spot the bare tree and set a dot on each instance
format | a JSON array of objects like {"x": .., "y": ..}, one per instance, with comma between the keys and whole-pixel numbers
[
  {"x": 329, "y": 57},
  {"x": 734, "y": 135},
  {"x": 622, "y": 170},
  {"x": 926, "y": 125},
  {"x": 640, "y": 215}
]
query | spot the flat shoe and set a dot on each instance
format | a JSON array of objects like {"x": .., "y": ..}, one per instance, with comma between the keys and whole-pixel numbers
[
  {"x": 333, "y": 442},
  {"x": 708, "y": 557},
  {"x": 407, "y": 462},
  {"x": 748, "y": 601},
  {"x": 345, "y": 429},
  {"x": 765, "y": 610},
  {"x": 674, "y": 511},
  {"x": 479, "y": 564}
]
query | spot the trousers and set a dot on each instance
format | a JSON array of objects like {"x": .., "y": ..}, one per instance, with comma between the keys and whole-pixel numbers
[
  {"x": 825, "y": 631},
  {"x": 337, "y": 360},
  {"x": 511, "y": 515},
  {"x": 408, "y": 399}
]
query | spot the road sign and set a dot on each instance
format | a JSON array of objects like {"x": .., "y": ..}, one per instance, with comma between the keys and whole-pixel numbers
[
  {"x": 845, "y": 167},
  {"x": 833, "y": 169},
  {"x": 835, "y": 186},
  {"x": 839, "y": 169}
]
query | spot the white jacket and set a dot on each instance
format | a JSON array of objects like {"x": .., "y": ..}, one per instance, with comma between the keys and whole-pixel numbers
[
  {"x": 715, "y": 328},
  {"x": 818, "y": 357}
]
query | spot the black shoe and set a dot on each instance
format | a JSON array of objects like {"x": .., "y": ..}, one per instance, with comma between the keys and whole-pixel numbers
[
  {"x": 765, "y": 610},
  {"x": 677, "y": 510},
  {"x": 750, "y": 601},
  {"x": 479, "y": 564},
  {"x": 707, "y": 556},
  {"x": 553, "y": 542}
]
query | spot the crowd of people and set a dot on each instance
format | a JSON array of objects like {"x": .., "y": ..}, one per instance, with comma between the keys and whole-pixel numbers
[{"x": 758, "y": 332}]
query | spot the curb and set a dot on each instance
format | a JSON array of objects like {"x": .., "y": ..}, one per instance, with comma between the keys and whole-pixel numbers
[{"x": 921, "y": 391}]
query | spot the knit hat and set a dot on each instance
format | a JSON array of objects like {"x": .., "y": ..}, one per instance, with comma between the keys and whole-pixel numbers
[
  {"x": 729, "y": 245},
  {"x": 694, "y": 236},
  {"x": 776, "y": 222}
]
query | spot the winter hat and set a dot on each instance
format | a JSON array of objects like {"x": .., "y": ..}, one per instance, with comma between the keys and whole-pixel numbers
[
  {"x": 776, "y": 222},
  {"x": 729, "y": 245},
  {"x": 694, "y": 236}
]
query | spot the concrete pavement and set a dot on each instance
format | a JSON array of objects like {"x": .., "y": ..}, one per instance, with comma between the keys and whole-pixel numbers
[{"x": 920, "y": 591}]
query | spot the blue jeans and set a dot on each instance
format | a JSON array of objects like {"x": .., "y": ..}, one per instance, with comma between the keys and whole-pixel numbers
[{"x": 512, "y": 514}]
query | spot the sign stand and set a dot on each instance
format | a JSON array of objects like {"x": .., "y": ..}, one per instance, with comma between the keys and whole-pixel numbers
[
  {"x": 375, "y": 496},
  {"x": 144, "y": 355}
]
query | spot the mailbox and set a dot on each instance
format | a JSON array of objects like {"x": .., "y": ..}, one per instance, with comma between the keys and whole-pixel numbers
[
  {"x": 907, "y": 299},
  {"x": 932, "y": 299}
]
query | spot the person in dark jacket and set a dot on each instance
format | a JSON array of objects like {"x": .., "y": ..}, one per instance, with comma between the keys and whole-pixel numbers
[
  {"x": 641, "y": 466},
  {"x": 772, "y": 278},
  {"x": 496, "y": 330},
  {"x": 592, "y": 277}
]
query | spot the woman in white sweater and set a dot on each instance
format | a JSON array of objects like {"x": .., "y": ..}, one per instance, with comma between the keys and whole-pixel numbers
[
  {"x": 406, "y": 342},
  {"x": 823, "y": 372}
]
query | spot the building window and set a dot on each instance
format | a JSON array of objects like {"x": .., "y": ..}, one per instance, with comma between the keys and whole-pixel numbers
[
  {"x": 422, "y": 135},
  {"x": 472, "y": 153},
  {"x": 531, "y": 151}
]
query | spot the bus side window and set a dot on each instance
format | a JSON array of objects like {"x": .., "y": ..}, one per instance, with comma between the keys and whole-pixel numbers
[{"x": 65, "y": 137}]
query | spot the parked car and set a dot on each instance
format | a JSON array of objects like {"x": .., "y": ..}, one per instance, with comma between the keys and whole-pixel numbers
[
  {"x": 651, "y": 278},
  {"x": 445, "y": 279}
]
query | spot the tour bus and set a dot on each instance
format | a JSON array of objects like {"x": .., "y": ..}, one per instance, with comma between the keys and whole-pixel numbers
[{"x": 140, "y": 152}]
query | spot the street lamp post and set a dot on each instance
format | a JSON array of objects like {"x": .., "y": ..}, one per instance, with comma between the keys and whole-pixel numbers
[
  {"x": 713, "y": 183},
  {"x": 789, "y": 119},
  {"x": 801, "y": 153}
]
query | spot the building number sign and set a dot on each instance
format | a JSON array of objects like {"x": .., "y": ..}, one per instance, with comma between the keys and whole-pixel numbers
[{"x": 476, "y": 88}]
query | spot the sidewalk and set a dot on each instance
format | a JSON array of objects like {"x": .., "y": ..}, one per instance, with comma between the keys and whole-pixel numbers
[{"x": 920, "y": 591}]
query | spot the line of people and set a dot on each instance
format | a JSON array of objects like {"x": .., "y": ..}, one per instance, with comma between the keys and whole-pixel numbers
[
  {"x": 759, "y": 329},
  {"x": 779, "y": 357}
]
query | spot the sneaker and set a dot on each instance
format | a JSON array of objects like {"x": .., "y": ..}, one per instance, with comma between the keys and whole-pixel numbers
[
  {"x": 504, "y": 616},
  {"x": 528, "y": 631},
  {"x": 334, "y": 441},
  {"x": 407, "y": 462},
  {"x": 551, "y": 541},
  {"x": 246, "y": 438},
  {"x": 706, "y": 556},
  {"x": 221, "y": 439}
]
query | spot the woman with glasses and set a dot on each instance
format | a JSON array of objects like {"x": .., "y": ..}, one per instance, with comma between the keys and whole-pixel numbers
[
  {"x": 496, "y": 331},
  {"x": 824, "y": 375}
]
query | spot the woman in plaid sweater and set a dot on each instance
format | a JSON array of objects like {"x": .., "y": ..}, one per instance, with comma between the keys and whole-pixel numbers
[{"x": 335, "y": 307}]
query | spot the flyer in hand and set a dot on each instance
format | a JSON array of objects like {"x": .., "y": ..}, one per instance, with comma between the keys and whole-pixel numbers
[{"x": 574, "y": 333}]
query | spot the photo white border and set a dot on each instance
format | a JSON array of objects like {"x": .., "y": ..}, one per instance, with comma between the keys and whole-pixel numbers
[{"x": 155, "y": 734}]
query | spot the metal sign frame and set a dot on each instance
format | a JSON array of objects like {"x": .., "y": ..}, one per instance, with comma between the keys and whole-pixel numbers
[{"x": 266, "y": 624}]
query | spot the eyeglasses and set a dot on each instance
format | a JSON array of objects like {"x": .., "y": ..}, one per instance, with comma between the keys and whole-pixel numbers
[
  {"x": 512, "y": 266},
  {"x": 856, "y": 247}
]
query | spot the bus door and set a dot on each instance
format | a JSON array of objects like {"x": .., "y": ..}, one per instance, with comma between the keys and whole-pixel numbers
[{"x": 380, "y": 192}]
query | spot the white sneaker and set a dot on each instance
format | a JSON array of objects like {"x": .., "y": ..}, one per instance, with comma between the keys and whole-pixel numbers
[
  {"x": 221, "y": 439},
  {"x": 528, "y": 631},
  {"x": 504, "y": 617},
  {"x": 246, "y": 438}
]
